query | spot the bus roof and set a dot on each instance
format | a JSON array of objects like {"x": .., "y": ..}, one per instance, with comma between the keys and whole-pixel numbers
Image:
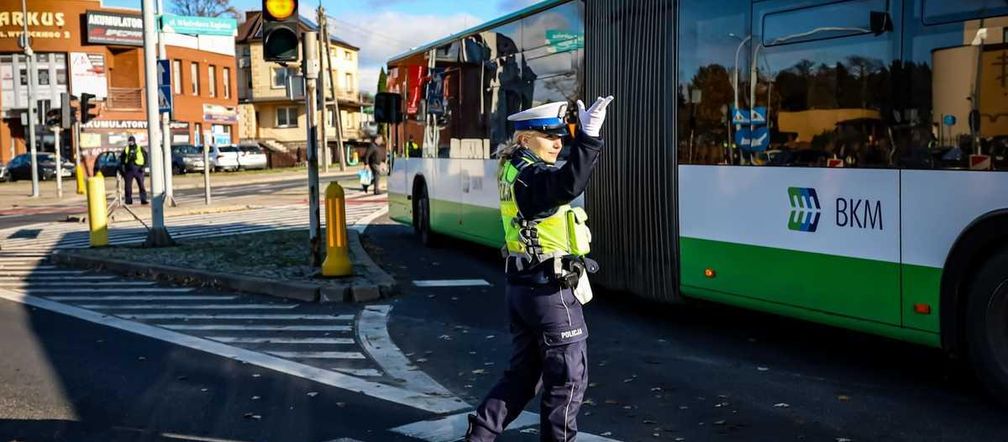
[{"x": 545, "y": 4}]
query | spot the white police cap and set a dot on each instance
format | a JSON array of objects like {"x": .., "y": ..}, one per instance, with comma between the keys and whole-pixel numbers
[{"x": 548, "y": 118}]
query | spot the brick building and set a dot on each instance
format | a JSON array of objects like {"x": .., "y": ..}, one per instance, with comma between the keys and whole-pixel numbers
[{"x": 82, "y": 47}]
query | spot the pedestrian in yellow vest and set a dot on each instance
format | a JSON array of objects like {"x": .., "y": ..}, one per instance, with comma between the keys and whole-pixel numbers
[{"x": 132, "y": 162}]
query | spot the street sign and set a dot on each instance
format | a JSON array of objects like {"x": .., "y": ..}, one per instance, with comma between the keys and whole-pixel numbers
[
  {"x": 227, "y": 27},
  {"x": 164, "y": 87},
  {"x": 760, "y": 140},
  {"x": 740, "y": 116},
  {"x": 759, "y": 115}
]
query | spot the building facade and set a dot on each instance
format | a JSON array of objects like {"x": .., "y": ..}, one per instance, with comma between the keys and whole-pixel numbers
[
  {"x": 273, "y": 115},
  {"x": 82, "y": 47}
]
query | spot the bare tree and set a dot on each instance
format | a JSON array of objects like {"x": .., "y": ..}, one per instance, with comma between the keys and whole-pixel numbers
[{"x": 205, "y": 8}]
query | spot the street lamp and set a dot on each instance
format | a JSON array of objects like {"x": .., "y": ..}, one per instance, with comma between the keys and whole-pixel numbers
[{"x": 738, "y": 51}]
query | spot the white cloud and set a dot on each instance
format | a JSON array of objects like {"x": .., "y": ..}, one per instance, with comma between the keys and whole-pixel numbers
[{"x": 383, "y": 35}]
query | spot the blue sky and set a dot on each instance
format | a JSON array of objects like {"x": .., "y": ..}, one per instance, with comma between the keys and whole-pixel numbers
[{"x": 383, "y": 28}]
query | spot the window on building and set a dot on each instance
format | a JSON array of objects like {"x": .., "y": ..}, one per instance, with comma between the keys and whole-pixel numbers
[
  {"x": 280, "y": 76},
  {"x": 212, "y": 80},
  {"x": 198, "y": 129},
  {"x": 43, "y": 76},
  {"x": 347, "y": 55},
  {"x": 348, "y": 84},
  {"x": 194, "y": 77},
  {"x": 227, "y": 82},
  {"x": 286, "y": 117},
  {"x": 177, "y": 76}
]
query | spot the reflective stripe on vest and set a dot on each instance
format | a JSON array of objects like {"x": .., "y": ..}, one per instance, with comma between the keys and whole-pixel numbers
[{"x": 533, "y": 239}]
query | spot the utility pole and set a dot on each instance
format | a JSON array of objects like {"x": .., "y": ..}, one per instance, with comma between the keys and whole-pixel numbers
[
  {"x": 32, "y": 111},
  {"x": 326, "y": 73},
  {"x": 332, "y": 90},
  {"x": 158, "y": 235},
  {"x": 166, "y": 118},
  {"x": 310, "y": 70}
]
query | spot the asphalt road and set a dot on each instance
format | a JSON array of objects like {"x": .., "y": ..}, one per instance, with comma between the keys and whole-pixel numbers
[
  {"x": 63, "y": 379},
  {"x": 689, "y": 372}
]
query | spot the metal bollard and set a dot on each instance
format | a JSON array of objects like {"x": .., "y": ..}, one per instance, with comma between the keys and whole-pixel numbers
[
  {"x": 97, "y": 215},
  {"x": 80, "y": 179},
  {"x": 337, "y": 261}
]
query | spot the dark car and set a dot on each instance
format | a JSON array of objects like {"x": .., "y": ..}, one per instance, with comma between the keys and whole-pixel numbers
[
  {"x": 19, "y": 168},
  {"x": 108, "y": 163},
  {"x": 187, "y": 158}
]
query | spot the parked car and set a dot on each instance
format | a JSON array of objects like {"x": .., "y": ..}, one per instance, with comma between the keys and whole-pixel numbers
[
  {"x": 225, "y": 157},
  {"x": 187, "y": 158},
  {"x": 19, "y": 167},
  {"x": 108, "y": 163},
  {"x": 251, "y": 157}
]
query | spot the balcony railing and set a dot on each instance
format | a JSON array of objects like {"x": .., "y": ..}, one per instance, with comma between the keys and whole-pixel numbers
[{"x": 122, "y": 98}]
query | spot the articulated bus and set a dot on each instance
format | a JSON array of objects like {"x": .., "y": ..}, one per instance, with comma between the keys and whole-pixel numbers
[{"x": 838, "y": 161}]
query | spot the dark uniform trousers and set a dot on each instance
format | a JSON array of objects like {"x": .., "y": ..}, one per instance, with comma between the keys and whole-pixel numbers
[
  {"x": 549, "y": 355},
  {"x": 134, "y": 172}
]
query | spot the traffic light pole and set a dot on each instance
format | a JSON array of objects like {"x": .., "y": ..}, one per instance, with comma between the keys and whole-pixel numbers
[
  {"x": 32, "y": 111},
  {"x": 310, "y": 70},
  {"x": 158, "y": 235},
  {"x": 166, "y": 121},
  {"x": 57, "y": 134}
]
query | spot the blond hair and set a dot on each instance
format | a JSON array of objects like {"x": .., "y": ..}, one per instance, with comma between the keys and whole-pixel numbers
[{"x": 506, "y": 150}]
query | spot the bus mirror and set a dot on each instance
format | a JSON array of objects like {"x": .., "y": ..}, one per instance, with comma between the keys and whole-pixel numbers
[{"x": 881, "y": 22}]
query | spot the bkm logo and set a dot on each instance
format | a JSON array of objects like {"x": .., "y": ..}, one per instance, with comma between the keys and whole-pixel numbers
[{"x": 805, "y": 209}]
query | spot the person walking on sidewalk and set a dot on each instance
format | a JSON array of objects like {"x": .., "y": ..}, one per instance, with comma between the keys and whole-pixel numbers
[
  {"x": 133, "y": 161},
  {"x": 547, "y": 283},
  {"x": 375, "y": 158}
]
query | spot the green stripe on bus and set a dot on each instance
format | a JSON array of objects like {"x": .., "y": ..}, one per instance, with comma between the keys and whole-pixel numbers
[{"x": 856, "y": 293}]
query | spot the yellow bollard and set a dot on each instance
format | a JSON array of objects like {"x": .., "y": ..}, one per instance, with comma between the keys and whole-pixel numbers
[
  {"x": 97, "y": 216},
  {"x": 80, "y": 179},
  {"x": 337, "y": 261}
]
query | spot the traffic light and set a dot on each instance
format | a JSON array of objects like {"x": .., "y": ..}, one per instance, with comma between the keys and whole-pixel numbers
[
  {"x": 52, "y": 117},
  {"x": 388, "y": 108},
  {"x": 86, "y": 106},
  {"x": 280, "y": 30}
]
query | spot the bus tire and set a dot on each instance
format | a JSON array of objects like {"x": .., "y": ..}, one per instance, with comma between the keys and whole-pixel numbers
[
  {"x": 421, "y": 218},
  {"x": 987, "y": 328}
]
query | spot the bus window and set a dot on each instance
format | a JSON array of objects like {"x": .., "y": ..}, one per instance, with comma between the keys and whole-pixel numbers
[
  {"x": 955, "y": 73},
  {"x": 713, "y": 37},
  {"x": 826, "y": 102},
  {"x": 556, "y": 29}
]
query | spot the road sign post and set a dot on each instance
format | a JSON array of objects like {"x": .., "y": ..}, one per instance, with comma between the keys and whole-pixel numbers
[{"x": 310, "y": 69}]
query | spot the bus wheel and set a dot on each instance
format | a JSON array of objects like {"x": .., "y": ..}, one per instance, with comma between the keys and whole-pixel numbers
[
  {"x": 987, "y": 319},
  {"x": 421, "y": 218}
]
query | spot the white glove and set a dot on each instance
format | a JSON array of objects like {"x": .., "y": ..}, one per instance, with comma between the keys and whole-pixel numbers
[{"x": 592, "y": 118}]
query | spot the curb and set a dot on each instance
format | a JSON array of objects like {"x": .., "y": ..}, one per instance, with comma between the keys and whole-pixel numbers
[{"x": 369, "y": 283}]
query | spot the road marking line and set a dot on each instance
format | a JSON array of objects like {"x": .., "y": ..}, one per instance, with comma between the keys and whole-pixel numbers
[
  {"x": 225, "y": 316},
  {"x": 362, "y": 224},
  {"x": 362, "y": 372},
  {"x": 453, "y": 428},
  {"x": 61, "y": 283},
  {"x": 192, "y": 306},
  {"x": 339, "y": 328},
  {"x": 40, "y": 272},
  {"x": 372, "y": 330},
  {"x": 6, "y": 267},
  {"x": 55, "y": 278},
  {"x": 451, "y": 283},
  {"x": 109, "y": 290},
  {"x": 429, "y": 403},
  {"x": 300, "y": 341},
  {"x": 141, "y": 298},
  {"x": 317, "y": 354}
]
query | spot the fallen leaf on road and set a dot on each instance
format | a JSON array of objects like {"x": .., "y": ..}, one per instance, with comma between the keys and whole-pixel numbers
[
  {"x": 421, "y": 360},
  {"x": 142, "y": 358},
  {"x": 649, "y": 422},
  {"x": 445, "y": 338},
  {"x": 762, "y": 368},
  {"x": 341, "y": 404},
  {"x": 719, "y": 422},
  {"x": 204, "y": 390},
  {"x": 252, "y": 416},
  {"x": 491, "y": 336},
  {"x": 255, "y": 375},
  {"x": 479, "y": 371},
  {"x": 312, "y": 393},
  {"x": 256, "y": 398},
  {"x": 781, "y": 405},
  {"x": 606, "y": 434},
  {"x": 843, "y": 397},
  {"x": 656, "y": 389}
]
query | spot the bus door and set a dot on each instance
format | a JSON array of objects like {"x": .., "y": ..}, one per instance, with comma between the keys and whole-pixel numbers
[
  {"x": 801, "y": 210},
  {"x": 953, "y": 146}
]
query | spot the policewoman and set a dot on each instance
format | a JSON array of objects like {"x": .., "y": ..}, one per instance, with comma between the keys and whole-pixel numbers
[{"x": 546, "y": 267}]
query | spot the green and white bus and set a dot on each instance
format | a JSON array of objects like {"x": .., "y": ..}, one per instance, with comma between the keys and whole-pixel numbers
[{"x": 844, "y": 162}]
